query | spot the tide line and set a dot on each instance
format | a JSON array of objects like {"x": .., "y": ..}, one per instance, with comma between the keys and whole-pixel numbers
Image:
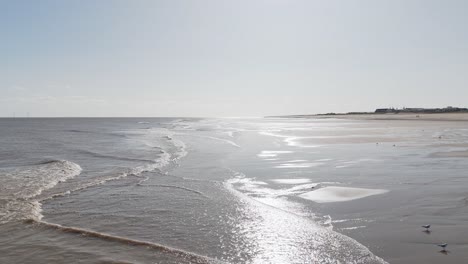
[{"x": 192, "y": 257}]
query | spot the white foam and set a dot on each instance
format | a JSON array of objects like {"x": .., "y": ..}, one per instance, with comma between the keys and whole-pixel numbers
[
  {"x": 172, "y": 149},
  {"x": 20, "y": 188},
  {"x": 342, "y": 166},
  {"x": 30, "y": 182},
  {"x": 181, "y": 149},
  {"x": 277, "y": 151},
  {"x": 352, "y": 228},
  {"x": 272, "y": 153},
  {"x": 298, "y": 165},
  {"x": 291, "y": 181},
  {"x": 322, "y": 160},
  {"x": 266, "y": 155},
  {"x": 339, "y": 194}
]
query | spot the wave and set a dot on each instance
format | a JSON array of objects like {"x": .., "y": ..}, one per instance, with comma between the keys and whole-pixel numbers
[
  {"x": 173, "y": 186},
  {"x": 100, "y": 155},
  {"x": 165, "y": 159},
  {"x": 30, "y": 182},
  {"x": 167, "y": 142},
  {"x": 181, "y": 148},
  {"x": 176, "y": 150},
  {"x": 19, "y": 188},
  {"x": 46, "y": 161},
  {"x": 191, "y": 257},
  {"x": 94, "y": 132},
  {"x": 158, "y": 164}
]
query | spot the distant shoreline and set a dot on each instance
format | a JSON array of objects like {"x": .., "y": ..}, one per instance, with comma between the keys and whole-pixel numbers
[
  {"x": 448, "y": 113},
  {"x": 458, "y": 116}
]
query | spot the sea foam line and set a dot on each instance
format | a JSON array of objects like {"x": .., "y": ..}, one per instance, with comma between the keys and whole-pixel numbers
[
  {"x": 175, "y": 187},
  {"x": 192, "y": 257},
  {"x": 227, "y": 141}
]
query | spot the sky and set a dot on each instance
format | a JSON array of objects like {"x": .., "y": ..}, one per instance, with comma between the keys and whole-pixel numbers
[{"x": 219, "y": 58}]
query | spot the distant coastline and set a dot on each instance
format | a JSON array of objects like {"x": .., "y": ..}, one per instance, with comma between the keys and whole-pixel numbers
[{"x": 429, "y": 114}]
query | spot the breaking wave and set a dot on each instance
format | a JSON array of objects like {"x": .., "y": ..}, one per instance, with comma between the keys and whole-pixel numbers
[{"x": 19, "y": 188}]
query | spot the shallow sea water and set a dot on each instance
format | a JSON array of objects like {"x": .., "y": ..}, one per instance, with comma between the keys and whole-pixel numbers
[{"x": 166, "y": 190}]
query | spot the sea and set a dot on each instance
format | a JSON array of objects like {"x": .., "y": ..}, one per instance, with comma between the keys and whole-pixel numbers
[{"x": 232, "y": 190}]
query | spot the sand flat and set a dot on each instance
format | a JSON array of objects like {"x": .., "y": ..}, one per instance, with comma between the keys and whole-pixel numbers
[{"x": 339, "y": 194}]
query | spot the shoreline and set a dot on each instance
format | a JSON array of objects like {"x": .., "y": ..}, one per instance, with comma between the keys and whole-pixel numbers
[{"x": 458, "y": 117}]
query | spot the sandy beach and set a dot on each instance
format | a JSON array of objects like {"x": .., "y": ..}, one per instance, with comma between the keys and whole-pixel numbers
[{"x": 397, "y": 236}]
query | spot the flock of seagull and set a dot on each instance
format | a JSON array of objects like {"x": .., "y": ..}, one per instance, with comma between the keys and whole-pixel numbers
[{"x": 443, "y": 246}]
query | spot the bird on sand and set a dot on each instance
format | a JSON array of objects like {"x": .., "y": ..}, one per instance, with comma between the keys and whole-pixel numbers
[
  {"x": 427, "y": 227},
  {"x": 443, "y": 246}
]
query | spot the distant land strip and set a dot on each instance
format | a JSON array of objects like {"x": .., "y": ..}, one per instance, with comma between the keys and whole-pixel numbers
[{"x": 423, "y": 114}]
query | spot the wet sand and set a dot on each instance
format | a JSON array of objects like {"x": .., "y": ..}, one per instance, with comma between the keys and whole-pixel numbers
[
  {"x": 400, "y": 239},
  {"x": 450, "y": 154},
  {"x": 397, "y": 235}
]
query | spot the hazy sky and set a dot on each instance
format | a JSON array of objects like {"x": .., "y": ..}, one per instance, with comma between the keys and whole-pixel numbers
[{"x": 230, "y": 58}]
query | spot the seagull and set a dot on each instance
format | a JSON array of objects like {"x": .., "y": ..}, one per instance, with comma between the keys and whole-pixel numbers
[
  {"x": 427, "y": 227},
  {"x": 443, "y": 246}
]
